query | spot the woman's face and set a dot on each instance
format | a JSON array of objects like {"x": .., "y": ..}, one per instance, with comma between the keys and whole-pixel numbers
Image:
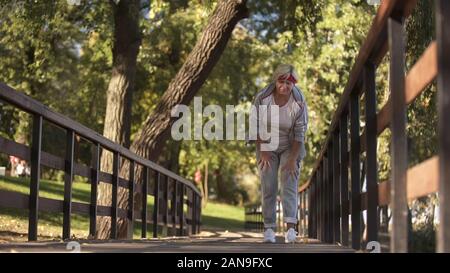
[{"x": 284, "y": 87}]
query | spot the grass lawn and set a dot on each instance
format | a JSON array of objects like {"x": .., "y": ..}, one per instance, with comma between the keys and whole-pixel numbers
[{"x": 14, "y": 222}]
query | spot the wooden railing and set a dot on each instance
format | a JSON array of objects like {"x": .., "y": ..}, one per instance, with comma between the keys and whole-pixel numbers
[
  {"x": 183, "y": 217},
  {"x": 330, "y": 200}
]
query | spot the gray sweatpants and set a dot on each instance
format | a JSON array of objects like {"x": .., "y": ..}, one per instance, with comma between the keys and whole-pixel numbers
[{"x": 269, "y": 189}]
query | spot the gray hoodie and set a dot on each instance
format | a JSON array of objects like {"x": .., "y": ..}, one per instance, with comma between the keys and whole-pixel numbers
[{"x": 299, "y": 127}]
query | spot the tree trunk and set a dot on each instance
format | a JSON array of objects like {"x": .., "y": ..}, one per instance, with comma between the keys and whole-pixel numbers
[
  {"x": 191, "y": 76},
  {"x": 127, "y": 40},
  {"x": 174, "y": 154}
]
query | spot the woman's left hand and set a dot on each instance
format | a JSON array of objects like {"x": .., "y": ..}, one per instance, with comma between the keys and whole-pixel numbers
[{"x": 290, "y": 167}]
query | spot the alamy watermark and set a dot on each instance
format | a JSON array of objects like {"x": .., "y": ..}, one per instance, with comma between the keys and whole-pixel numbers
[
  {"x": 74, "y": 247},
  {"x": 263, "y": 123},
  {"x": 374, "y": 247}
]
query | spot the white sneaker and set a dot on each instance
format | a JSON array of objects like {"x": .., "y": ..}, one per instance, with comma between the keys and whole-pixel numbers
[
  {"x": 269, "y": 236},
  {"x": 291, "y": 236}
]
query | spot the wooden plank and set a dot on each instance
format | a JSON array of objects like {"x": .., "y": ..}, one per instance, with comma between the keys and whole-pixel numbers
[
  {"x": 399, "y": 236},
  {"x": 181, "y": 210},
  {"x": 189, "y": 211},
  {"x": 166, "y": 201},
  {"x": 423, "y": 179},
  {"x": 318, "y": 203},
  {"x": 114, "y": 194},
  {"x": 22, "y": 151},
  {"x": 313, "y": 209},
  {"x": 443, "y": 83},
  {"x": 109, "y": 178},
  {"x": 94, "y": 190},
  {"x": 131, "y": 201},
  {"x": 325, "y": 197},
  {"x": 305, "y": 213},
  {"x": 371, "y": 153},
  {"x": 81, "y": 170},
  {"x": 15, "y": 200},
  {"x": 343, "y": 129},
  {"x": 194, "y": 214},
  {"x": 144, "y": 202},
  {"x": 355, "y": 172},
  {"x": 68, "y": 179},
  {"x": 330, "y": 193},
  {"x": 156, "y": 190},
  {"x": 10, "y": 147},
  {"x": 299, "y": 214},
  {"x": 35, "y": 178},
  {"x": 174, "y": 207},
  {"x": 9, "y": 199},
  {"x": 199, "y": 214},
  {"x": 336, "y": 188}
]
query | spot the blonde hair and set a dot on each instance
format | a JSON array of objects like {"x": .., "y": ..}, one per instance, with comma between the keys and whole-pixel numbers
[{"x": 284, "y": 69}]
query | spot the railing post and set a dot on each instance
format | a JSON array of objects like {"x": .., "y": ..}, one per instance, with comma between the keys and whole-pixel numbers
[
  {"x": 156, "y": 206},
  {"x": 181, "y": 210},
  {"x": 399, "y": 163},
  {"x": 310, "y": 208},
  {"x": 35, "y": 178},
  {"x": 144, "y": 202},
  {"x": 115, "y": 186},
  {"x": 299, "y": 212},
  {"x": 94, "y": 189},
  {"x": 194, "y": 213},
  {"x": 68, "y": 178},
  {"x": 371, "y": 151},
  {"x": 319, "y": 202},
  {"x": 336, "y": 187},
  {"x": 330, "y": 194},
  {"x": 320, "y": 199},
  {"x": 317, "y": 205},
  {"x": 326, "y": 200},
  {"x": 331, "y": 175},
  {"x": 199, "y": 214},
  {"x": 355, "y": 172},
  {"x": 131, "y": 201},
  {"x": 166, "y": 203},
  {"x": 189, "y": 194},
  {"x": 305, "y": 212},
  {"x": 174, "y": 206},
  {"x": 343, "y": 129},
  {"x": 443, "y": 85}
]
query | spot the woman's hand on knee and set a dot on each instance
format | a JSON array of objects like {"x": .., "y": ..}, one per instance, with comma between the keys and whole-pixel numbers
[
  {"x": 290, "y": 167},
  {"x": 264, "y": 160}
]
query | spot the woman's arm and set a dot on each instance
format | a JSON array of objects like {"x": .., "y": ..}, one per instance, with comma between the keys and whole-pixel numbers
[{"x": 295, "y": 151}]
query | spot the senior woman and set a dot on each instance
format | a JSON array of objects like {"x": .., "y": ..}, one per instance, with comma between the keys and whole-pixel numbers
[{"x": 287, "y": 155}]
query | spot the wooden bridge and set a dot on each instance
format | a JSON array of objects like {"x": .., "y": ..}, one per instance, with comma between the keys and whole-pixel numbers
[{"x": 327, "y": 202}]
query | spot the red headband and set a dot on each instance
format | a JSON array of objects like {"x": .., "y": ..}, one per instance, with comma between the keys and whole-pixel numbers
[{"x": 290, "y": 78}]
